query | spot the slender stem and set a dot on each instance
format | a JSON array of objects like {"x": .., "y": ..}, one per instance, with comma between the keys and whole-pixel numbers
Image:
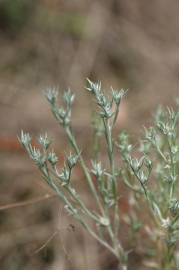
[
  {"x": 108, "y": 135},
  {"x": 27, "y": 202},
  {"x": 173, "y": 170},
  {"x": 104, "y": 243},
  {"x": 75, "y": 212},
  {"x": 129, "y": 185},
  {"x": 77, "y": 198},
  {"x": 110, "y": 147},
  {"x": 84, "y": 167},
  {"x": 115, "y": 115},
  {"x": 169, "y": 257},
  {"x": 81, "y": 203},
  {"x": 79, "y": 218},
  {"x": 160, "y": 152},
  {"x": 142, "y": 184}
]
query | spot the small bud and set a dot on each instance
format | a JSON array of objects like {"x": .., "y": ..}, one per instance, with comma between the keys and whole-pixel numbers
[
  {"x": 52, "y": 158},
  {"x": 148, "y": 163},
  {"x": 68, "y": 97},
  {"x": 51, "y": 95},
  {"x": 174, "y": 206},
  {"x": 118, "y": 95},
  {"x": 135, "y": 163},
  {"x": 44, "y": 141},
  {"x": 65, "y": 176},
  {"x": 38, "y": 158},
  {"x": 150, "y": 134},
  {"x": 72, "y": 160},
  {"x": 95, "y": 88},
  {"x": 104, "y": 221},
  {"x": 64, "y": 116},
  {"x": 97, "y": 170},
  {"x": 25, "y": 138},
  {"x": 143, "y": 177},
  {"x": 62, "y": 113},
  {"x": 166, "y": 222}
]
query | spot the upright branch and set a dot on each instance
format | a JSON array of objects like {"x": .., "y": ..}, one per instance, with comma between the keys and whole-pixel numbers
[
  {"x": 61, "y": 179},
  {"x": 150, "y": 172}
]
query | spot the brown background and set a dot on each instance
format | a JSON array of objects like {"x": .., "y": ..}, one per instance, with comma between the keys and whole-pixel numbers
[{"x": 126, "y": 44}]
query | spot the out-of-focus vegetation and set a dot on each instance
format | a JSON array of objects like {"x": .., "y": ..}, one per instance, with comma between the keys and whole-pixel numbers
[
  {"x": 15, "y": 14},
  {"x": 67, "y": 23}
]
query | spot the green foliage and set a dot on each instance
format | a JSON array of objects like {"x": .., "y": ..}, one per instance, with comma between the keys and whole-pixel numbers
[
  {"x": 70, "y": 23},
  {"x": 14, "y": 14}
]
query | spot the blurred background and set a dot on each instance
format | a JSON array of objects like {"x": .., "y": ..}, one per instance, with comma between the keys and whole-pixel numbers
[{"x": 43, "y": 43}]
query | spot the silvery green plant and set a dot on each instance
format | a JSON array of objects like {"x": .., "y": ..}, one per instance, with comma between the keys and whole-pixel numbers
[
  {"x": 150, "y": 174},
  {"x": 104, "y": 221},
  {"x": 153, "y": 177}
]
